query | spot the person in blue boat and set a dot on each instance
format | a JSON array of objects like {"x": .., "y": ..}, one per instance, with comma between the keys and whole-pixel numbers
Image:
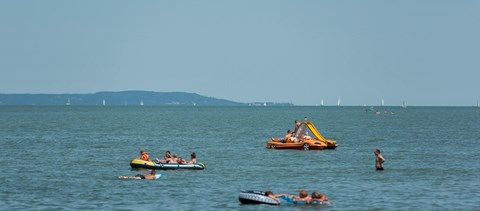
[
  {"x": 174, "y": 159},
  {"x": 193, "y": 156},
  {"x": 181, "y": 161},
  {"x": 151, "y": 176},
  {"x": 167, "y": 158},
  {"x": 379, "y": 160}
]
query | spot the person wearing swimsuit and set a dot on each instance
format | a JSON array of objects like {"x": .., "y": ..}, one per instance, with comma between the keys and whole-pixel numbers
[
  {"x": 379, "y": 160},
  {"x": 151, "y": 176},
  {"x": 145, "y": 156}
]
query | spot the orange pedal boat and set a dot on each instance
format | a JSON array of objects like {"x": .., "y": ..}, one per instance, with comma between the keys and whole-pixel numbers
[{"x": 297, "y": 142}]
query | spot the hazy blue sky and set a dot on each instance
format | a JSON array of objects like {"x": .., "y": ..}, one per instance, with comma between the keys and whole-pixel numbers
[{"x": 424, "y": 52}]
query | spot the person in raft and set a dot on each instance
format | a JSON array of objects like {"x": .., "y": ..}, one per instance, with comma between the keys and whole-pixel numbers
[
  {"x": 379, "y": 160},
  {"x": 275, "y": 197},
  {"x": 145, "y": 156},
  {"x": 150, "y": 176},
  {"x": 193, "y": 156},
  {"x": 318, "y": 197},
  {"x": 181, "y": 160},
  {"x": 175, "y": 158},
  {"x": 302, "y": 197},
  {"x": 167, "y": 158}
]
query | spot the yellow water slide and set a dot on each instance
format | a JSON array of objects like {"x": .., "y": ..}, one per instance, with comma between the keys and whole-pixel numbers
[{"x": 318, "y": 135}]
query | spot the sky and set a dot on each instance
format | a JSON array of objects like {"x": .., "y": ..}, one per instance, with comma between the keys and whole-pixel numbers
[{"x": 424, "y": 52}]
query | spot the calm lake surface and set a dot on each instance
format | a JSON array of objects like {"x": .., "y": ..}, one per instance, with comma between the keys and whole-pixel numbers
[{"x": 70, "y": 157}]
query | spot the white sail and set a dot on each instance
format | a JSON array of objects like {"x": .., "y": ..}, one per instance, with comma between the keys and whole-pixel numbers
[
  {"x": 338, "y": 102},
  {"x": 68, "y": 102},
  {"x": 404, "y": 104},
  {"x": 141, "y": 103},
  {"x": 321, "y": 102},
  {"x": 383, "y": 102},
  {"x": 104, "y": 103}
]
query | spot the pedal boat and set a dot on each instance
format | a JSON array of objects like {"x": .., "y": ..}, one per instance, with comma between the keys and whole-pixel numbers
[{"x": 317, "y": 142}]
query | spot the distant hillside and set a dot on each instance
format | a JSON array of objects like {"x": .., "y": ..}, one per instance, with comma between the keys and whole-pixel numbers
[{"x": 115, "y": 98}]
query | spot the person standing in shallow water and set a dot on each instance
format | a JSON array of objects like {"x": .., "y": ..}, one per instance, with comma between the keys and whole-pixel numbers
[{"x": 379, "y": 160}]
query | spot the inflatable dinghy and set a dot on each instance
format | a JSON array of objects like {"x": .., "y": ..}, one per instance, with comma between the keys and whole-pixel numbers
[
  {"x": 255, "y": 197},
  {"x": 138, "y": 163},
  {"x": 286, "y": 200},
  {"x": 259, "y": 197}
]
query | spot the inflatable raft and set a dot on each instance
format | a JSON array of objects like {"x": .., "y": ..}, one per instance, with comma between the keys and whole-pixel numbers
[
  {"x": 255, "y": 197},
  {"x": 138, "y": 163},
  {"x": 286, "y": 200},
  {"x": 259, "y": 197}
]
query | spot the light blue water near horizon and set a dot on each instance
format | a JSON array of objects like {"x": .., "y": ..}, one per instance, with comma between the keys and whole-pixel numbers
[{"x": 59, "y": 157}]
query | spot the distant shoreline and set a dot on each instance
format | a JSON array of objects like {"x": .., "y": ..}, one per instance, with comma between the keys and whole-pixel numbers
[{"x": 125, "y": 98}]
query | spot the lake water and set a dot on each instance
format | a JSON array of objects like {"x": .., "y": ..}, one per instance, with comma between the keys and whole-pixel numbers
[{"x": 70, "y": 157}]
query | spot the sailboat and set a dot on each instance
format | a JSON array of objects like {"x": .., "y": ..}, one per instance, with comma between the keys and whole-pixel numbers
[
  {"x": 68, "y": 102},
  {"x": 104, "y": 103},
  {"x": 321, "y": 102},
  {"x": 383, "y": 102},
  {"x": 338, "y": 102},
  {"x": 404, "y": 104},
  {"x": 141, "y": 103}
]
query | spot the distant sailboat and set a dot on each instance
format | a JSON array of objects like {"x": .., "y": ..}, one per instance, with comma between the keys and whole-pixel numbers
[
  {"x": 265, "y": 104},
  {"x": 383, "y": 102},
  {"x": 104, "y": 103},
  {"x": 321, "y": 102},
  {"x": 404, "y": 104},
  {"x": 68, "y": 102},
  {"x": 141, "y": 103},
  {"x": 338, "y": 102}
]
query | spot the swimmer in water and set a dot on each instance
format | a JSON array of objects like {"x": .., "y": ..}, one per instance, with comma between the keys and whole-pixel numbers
[{"x": 151, "y": 176}]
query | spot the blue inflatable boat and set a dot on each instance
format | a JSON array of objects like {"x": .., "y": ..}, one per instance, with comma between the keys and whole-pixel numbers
[{"x": 259, "y": 197}]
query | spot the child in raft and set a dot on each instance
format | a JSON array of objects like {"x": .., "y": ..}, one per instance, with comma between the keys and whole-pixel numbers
[{"x": 145, "y": 156}]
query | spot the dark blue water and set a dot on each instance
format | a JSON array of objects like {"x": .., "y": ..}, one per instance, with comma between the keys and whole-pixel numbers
[{"x": 70, "y": 157}]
